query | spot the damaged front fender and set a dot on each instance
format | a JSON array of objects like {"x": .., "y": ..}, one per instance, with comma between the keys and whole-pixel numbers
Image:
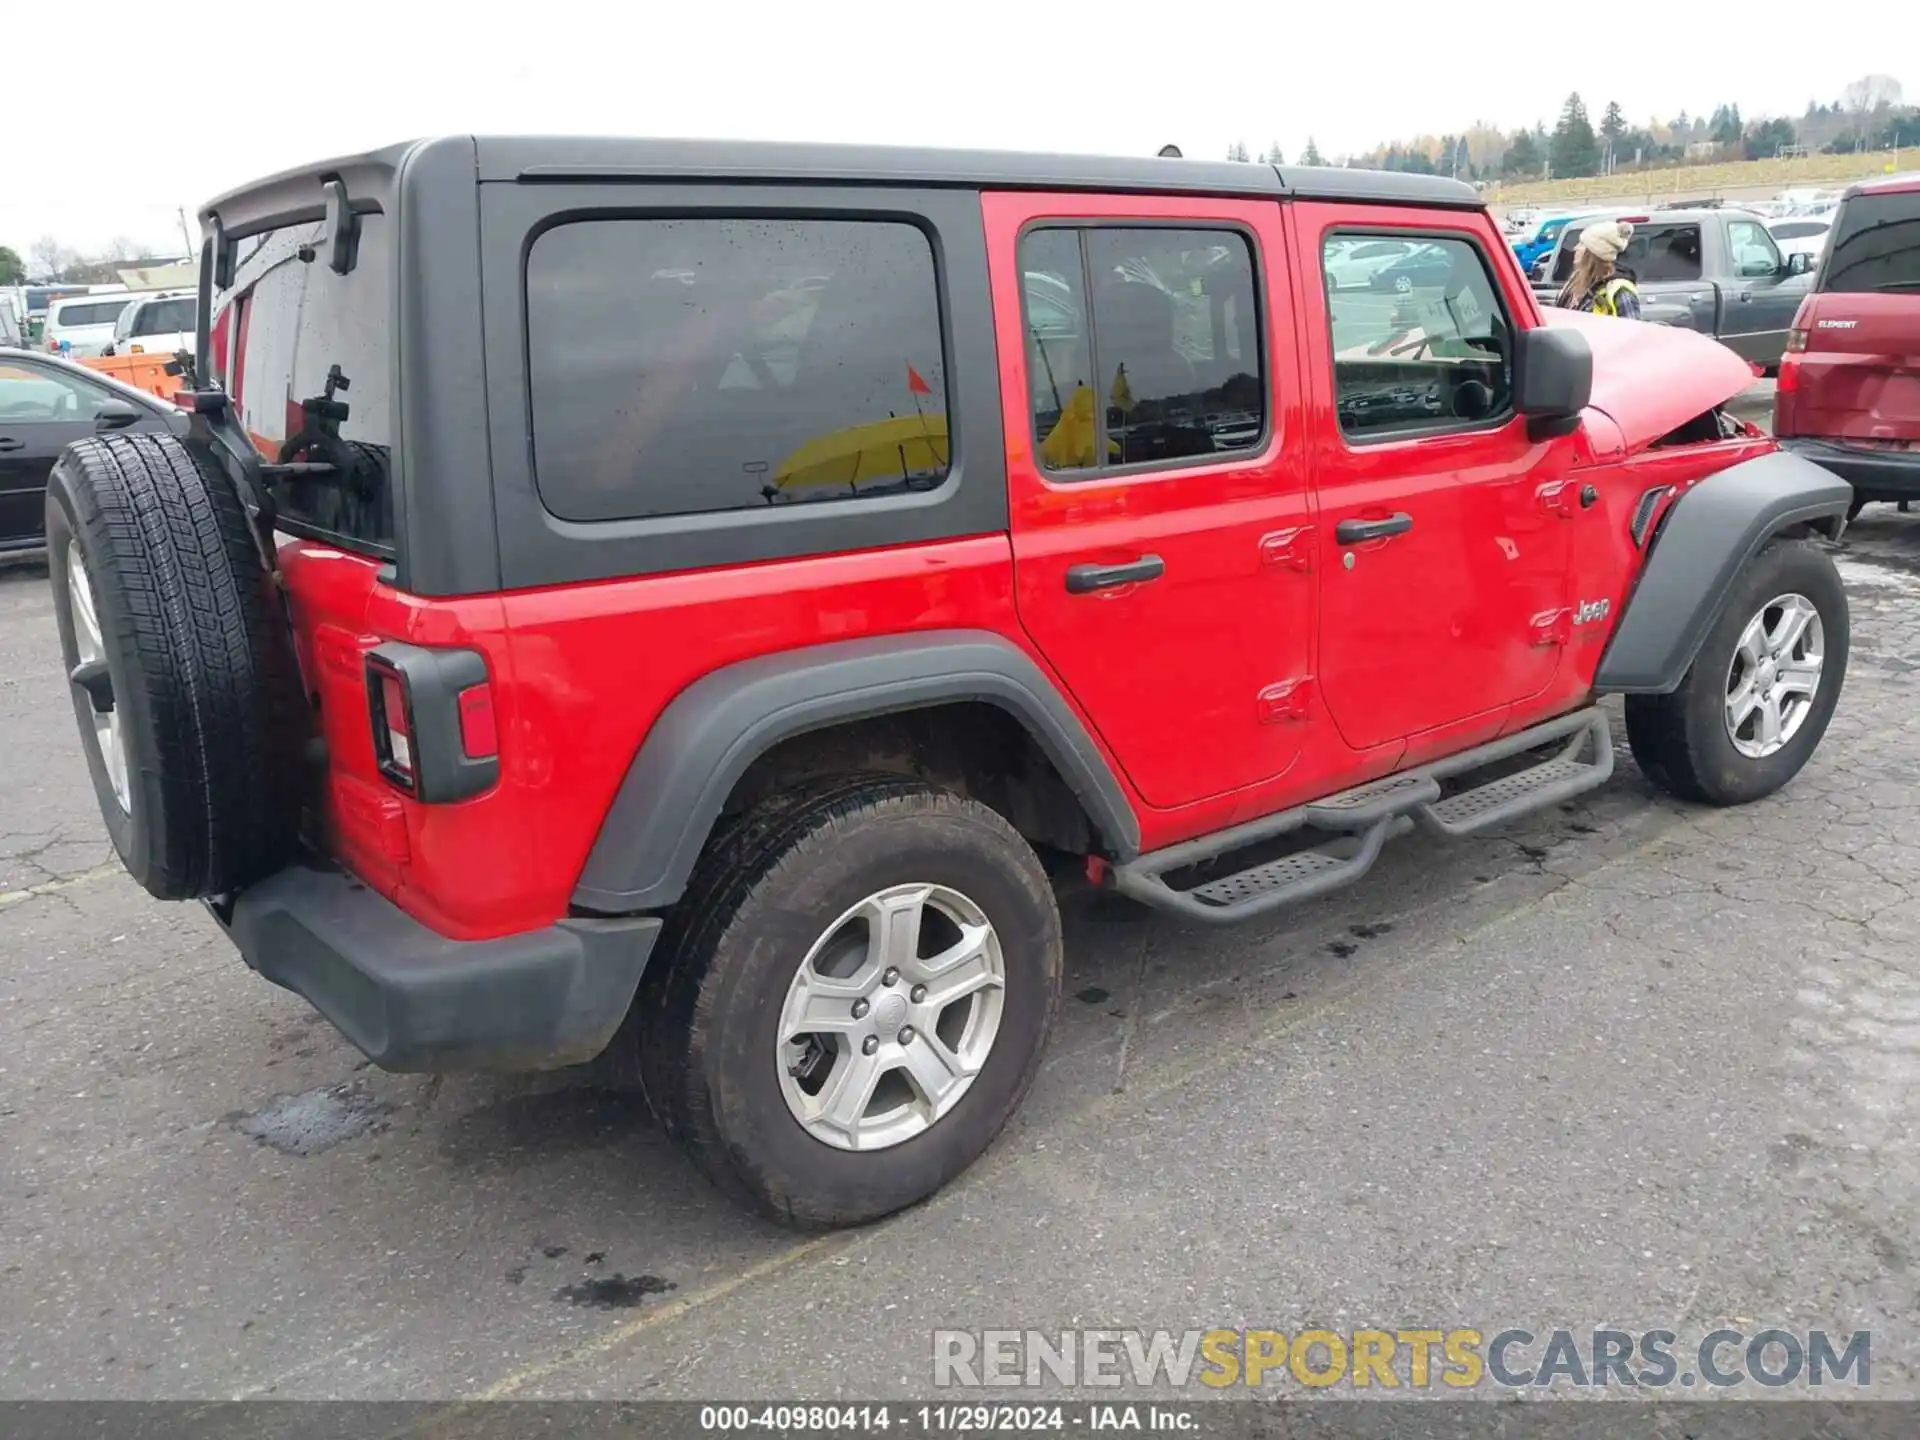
[{"x": 1707, "y": 537}]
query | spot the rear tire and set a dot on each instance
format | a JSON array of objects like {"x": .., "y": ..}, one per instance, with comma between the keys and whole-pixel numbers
[
  {"x": 711, "y": 1019},
  {"x": 1689, "y": 744},
  {"x": 192, "y": 659}
]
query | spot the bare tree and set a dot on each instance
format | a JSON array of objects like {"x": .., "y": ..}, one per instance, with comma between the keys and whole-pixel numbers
[
  {"x": 1866, "y": 97},
  {"x": 122, "y": 247},
  {"x": 46, "y": 254}
]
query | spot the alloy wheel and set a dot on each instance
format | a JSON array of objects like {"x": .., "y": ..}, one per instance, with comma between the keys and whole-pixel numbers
[{"x": 890, "y": 1017}]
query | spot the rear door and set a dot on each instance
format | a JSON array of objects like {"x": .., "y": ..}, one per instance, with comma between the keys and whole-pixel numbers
[
  {"x": 1159, "y": 504},
  {"x": 1443, "y": 566},
  {"x": 1859, "y": 378},
  {"x": 1761, "y": 296}
]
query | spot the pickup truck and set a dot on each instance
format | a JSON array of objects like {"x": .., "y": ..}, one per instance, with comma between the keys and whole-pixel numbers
[{"x": 1716, "y": 271}]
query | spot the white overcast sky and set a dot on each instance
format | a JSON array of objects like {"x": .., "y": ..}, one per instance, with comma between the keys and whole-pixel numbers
[{"x": 196, "y": 99}]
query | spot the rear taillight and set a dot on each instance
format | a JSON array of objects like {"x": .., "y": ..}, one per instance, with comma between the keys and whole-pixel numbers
[
  {"x": 1787, "y": 378},
  {"x": 434, "y": 732},
  {"x": 1796, "y": 341}
]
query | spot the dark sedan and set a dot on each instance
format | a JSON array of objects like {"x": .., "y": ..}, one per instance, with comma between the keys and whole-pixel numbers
[
  {"x": 1425, "y": 267},
  {"x": 45, "y": 405}
]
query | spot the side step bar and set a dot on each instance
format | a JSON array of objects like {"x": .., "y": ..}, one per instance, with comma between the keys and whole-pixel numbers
[{"x": 1366, "y": 817}]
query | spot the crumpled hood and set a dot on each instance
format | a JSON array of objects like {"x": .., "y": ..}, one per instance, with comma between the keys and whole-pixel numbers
[{"x": 1651, "y": 379}]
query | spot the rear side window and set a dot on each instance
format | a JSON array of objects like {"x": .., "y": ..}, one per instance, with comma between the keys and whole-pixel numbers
[
  {"x": 1797, "y": 229},
  {"x": 1434, "y": 357},
  {"x": 95, "y": 312},
  {"x": 1169, "y": 366},
  {"x": 1657, "y": 252},
  {"x": 1875, "y": 245},
  {"x": 685, "y": 366},
  {"x": 286, "y": 323},
  {"x": 164, "y": 317}
]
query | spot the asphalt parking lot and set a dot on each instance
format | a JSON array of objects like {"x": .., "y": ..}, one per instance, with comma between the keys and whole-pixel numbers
[{"x": 1631, "y": 1063}]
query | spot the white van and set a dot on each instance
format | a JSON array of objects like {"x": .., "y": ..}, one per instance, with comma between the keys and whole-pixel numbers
[
  {"x": 157, "y": 324},
  {"x": 82, "y": 325}
]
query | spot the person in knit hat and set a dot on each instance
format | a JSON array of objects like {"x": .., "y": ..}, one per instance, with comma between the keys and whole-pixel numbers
[{"x": 1596, "y": 285}]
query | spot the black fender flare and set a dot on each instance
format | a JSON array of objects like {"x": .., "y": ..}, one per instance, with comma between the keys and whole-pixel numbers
[
  {"x": 1708, "y": 535},
  {"x": 713, "y": 730}
]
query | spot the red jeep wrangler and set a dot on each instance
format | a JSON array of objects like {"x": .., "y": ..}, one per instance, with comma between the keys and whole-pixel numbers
[{"x": 675, "y": 603}]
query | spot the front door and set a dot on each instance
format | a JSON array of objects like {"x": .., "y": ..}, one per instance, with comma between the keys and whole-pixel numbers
[
  {"x": 1443, "y": 551},
  {"x": 1160, "y": 510},
  {"x": 1761, "y": 297},
  {"x": 43, "y": 409}
]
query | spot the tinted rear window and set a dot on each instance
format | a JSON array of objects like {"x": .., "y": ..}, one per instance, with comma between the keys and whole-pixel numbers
[
  {"x": 287, "y": 321},
  {"x": 164, "y": 317},
  {"x": 1875, "y": 245},
  {"x": 98, "y": 312},
  {"x": 1797, "y": 229},
  {"x": 680, "y": 366}
]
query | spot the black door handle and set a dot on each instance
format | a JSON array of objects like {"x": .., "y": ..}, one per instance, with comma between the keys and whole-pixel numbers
[
  {"x": 1082, "y": 579},
  {"x": 13, "y": 444},
  {"x": 1354, "y": 532}
]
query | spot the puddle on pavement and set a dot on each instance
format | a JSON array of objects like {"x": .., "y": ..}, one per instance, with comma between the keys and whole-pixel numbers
[
  {"x": 614, "y": 1292},
  {"x": 317, "y": 1120}
]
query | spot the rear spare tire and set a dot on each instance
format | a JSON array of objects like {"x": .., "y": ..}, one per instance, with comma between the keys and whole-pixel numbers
[{"x": 180, "y": 663}]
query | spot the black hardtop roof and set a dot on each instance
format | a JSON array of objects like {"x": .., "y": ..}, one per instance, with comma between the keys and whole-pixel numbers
[{"x": 280, "y": 198}]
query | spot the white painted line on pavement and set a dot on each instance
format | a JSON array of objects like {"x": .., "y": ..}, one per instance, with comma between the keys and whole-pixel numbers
[{"x": 54, "y": 887}]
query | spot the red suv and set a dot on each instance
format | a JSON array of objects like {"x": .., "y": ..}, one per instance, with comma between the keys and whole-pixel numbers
[
  {"x": 1849, "y": 391},
  {"x": 686, "y": 605}
]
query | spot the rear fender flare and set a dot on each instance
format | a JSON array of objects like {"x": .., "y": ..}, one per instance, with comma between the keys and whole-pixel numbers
[
  {"x": 708, "y": 736},
  {"x": 1707, "y": 537}
]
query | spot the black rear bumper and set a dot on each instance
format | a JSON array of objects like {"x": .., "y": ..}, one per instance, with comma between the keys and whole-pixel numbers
[
  {"x": 413, "y": 1000},
  {"x": 1892, "y": 473}
]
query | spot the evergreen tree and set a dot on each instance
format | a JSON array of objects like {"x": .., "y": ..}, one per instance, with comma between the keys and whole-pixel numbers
[
  {"x": 1523, "y": 156},
  {"x": 1574, "y": 149},
  {"x": 1311, "y": 155}
]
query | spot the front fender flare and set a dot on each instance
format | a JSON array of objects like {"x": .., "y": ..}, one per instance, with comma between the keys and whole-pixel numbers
[
  {"x": 1707, "y": 537},
  {"x": 713, "y": 730}
]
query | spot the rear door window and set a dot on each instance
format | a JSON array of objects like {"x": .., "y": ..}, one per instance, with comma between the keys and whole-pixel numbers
[
  {"x": 1656, "y": 252},
  {"x": 688, "y": 366},
  {"x": 1170, "y": 366},
  {"x": 285, "y": 324},
  {"x": 1875, "y": 245}
]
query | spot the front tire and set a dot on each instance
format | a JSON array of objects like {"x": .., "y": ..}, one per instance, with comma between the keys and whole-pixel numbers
[
  {"x": 1759, "y": 695},
  {"x": 795, "y": 1031}
]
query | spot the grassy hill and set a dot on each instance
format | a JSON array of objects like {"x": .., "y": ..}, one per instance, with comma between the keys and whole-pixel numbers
[{"x": 1706, "y": 180}]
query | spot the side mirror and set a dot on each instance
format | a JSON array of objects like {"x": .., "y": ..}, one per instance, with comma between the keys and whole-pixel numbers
[
  {"x": 1552, "y": 380},
  {"x": 114, "y": 415},
  {"x": 1800, "y": 263}
]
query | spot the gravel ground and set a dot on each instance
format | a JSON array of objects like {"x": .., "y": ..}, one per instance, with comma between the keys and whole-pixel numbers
[{"x": 1628, "y": 1063}]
